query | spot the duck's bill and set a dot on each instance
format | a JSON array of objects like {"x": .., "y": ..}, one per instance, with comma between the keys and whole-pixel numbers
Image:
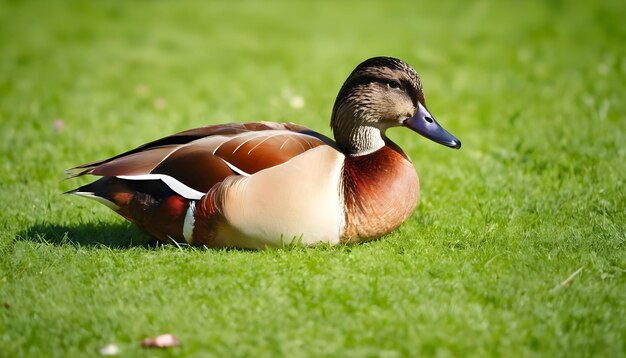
[{"x": 425, "y": 124}]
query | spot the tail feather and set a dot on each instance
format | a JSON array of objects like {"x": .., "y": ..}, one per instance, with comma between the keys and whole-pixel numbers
[
  {"x": 77, "y": 171},
  {"x": 109, "y": 191},
  {"x": 150, "y": 204},
  {"x": 90, "y": 195}
]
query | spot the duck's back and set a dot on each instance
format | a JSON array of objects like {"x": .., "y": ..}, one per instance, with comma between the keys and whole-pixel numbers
[{"x": 202, "y": 157}]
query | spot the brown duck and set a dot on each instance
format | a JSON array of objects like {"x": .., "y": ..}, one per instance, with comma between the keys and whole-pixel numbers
[{"x": 264, "y": 184}]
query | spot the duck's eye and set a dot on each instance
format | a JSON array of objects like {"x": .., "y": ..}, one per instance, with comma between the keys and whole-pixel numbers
[{"x": 393, "y": 84}]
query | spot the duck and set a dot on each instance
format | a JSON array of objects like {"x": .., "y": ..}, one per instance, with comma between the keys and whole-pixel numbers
[{"x": 259, "y": 185}]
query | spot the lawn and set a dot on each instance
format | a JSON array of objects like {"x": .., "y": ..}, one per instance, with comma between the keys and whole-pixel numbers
[{"x": 535, "y": 91}]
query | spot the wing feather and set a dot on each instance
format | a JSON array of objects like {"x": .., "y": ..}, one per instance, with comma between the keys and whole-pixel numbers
[{"x": 202, "y": 157}]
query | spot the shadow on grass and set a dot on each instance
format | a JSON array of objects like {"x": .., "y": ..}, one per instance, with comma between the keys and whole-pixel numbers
[{"x": 116, "y": 235}]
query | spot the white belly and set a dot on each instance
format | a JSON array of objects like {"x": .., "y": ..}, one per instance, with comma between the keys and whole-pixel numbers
[{"x": 297, "y": 202}]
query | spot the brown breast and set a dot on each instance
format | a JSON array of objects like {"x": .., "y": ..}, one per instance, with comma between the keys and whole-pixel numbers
[{"x": 380, "y": 192}]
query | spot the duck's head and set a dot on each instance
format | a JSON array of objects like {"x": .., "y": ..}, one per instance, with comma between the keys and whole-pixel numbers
[{"x": 382, "y": 92}]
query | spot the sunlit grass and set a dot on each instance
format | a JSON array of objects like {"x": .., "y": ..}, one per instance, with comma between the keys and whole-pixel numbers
[{"x": 534, "y": 90}]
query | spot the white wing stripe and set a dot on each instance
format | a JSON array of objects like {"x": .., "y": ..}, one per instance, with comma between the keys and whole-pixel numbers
[
  {"x": 218, "y": 147},
  {"x": 235, "y": 169},
  {"x": 180, "y": 188},
  {"x": 189, "y": 222}
]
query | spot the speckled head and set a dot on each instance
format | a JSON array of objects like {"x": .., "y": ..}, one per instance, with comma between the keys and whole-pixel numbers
[{"x": 380, "y": 93}]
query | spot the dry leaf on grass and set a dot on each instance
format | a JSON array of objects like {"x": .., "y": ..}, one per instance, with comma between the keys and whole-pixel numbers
[
  {"x": 568, "y": 281},
  {"x": 58, "y": 125},
  {"x": 162, "y": 341}
]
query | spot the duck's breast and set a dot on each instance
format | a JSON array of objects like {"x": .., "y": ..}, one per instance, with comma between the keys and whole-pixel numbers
[{"x": 380, "y": 191}]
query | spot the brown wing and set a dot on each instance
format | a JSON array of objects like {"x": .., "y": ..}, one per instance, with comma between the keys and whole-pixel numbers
[{"x": 202, "y": 157}]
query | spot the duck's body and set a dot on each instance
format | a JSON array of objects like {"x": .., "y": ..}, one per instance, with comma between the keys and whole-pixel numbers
[{"x": 263, "y": 184}]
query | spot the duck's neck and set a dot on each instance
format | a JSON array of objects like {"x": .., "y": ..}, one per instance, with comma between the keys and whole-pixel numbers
[
  {"x": 359, "y": 140},
  {"x": 355, "y": 122},
  {"x": 356, "y": 136}
]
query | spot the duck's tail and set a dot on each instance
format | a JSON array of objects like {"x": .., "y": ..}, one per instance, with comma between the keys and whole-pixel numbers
[{"x": 151, "y": 205}]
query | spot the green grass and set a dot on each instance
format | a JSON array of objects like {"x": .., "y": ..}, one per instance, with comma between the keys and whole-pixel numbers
[{"x": 534, "y": 90}]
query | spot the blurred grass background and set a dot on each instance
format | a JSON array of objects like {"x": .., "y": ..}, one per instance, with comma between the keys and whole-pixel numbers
[{"x": 535, "y": 90}]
